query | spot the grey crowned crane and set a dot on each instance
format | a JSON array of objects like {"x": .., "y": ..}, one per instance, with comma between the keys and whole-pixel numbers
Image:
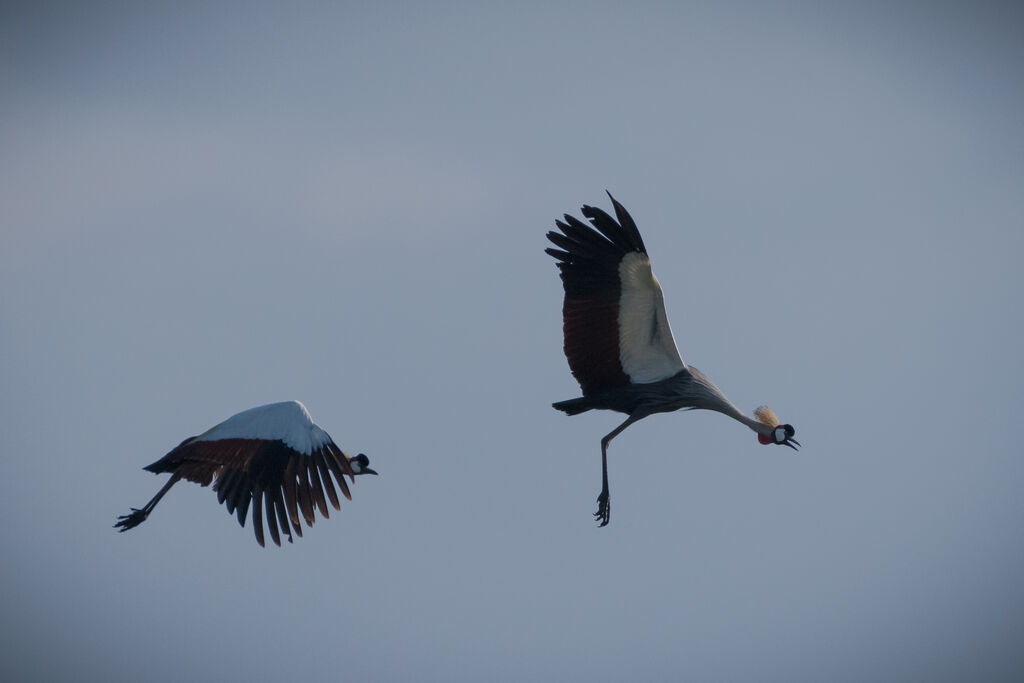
[
  {"x": 617, "y": 337},
  {"x": 272, "y": 456}
]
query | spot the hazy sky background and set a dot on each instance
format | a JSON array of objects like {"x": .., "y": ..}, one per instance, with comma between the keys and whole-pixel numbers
[{"x": 204, "y": 209}]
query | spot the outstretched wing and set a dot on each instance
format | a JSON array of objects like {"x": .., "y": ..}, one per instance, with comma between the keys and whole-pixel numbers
[
  {"x": 273, "y": 457},
  {"x": 615, "y": 325}
]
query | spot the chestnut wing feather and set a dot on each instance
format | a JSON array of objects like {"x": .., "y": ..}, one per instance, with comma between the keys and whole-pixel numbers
[{"x": 276, "y": 479}]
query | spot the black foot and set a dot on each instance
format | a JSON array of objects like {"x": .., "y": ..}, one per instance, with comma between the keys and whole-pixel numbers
[
  {"x": 604, "y": 509},
  {"x": 132, "y": 520}
]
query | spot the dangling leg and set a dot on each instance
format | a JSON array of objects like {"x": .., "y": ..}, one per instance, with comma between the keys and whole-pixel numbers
[
  {"x": 604, "y": 508},
  {"x": 138, "y": 516}
]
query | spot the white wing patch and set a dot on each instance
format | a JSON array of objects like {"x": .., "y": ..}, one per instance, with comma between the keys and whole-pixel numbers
[
  {"x": 647, "y": 350},
  {"x": 289, "y": 422}
]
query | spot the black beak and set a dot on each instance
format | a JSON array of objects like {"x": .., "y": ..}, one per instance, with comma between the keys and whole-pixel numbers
[
  {"x": 367, "y": 470},
  {"x": 790, "y": 442}
]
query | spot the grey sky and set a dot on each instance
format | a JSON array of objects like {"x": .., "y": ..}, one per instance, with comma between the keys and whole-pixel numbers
[{"x": 206, "y": 209}]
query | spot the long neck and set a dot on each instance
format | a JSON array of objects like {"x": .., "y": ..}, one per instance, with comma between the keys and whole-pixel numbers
[
  {"x": 759, "y": 427},
  {"x": 717, "y": 401}
]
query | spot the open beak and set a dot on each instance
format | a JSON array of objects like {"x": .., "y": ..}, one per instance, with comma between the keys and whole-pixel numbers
[{"x": 790, "y": 442}]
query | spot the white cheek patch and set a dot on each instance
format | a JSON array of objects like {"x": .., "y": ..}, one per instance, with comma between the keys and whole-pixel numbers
[
  {"x": 780, "y": 435},
  {"x": 356, "y": 467}
]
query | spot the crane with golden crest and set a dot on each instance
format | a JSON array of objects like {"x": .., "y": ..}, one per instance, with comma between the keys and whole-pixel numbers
[
  {"x": 273, "y": 457},
  {"x": 617, "y": 337}
]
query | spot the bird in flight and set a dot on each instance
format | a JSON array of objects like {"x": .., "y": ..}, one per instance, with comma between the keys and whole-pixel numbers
[
  {"x": 617, "y": 337},
  {"x": 272, "y": 456}
]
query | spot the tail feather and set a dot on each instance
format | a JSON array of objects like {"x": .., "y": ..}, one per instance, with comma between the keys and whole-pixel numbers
[{"x": 574, "y": 406}]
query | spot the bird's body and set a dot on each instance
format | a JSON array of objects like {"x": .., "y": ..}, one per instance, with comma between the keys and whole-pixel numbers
[
  {"x": 272, "y": 456},
  {"x": 618, "y": 340},
  {"x": 686, "y": 390}
]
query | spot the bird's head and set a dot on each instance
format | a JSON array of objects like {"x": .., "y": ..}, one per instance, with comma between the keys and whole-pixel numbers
[
  {"x": 779, "y": 434},
  {"x": 360, "y": 465}
]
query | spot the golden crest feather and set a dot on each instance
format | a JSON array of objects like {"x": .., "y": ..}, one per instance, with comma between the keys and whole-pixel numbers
[{"x": 766, "y": 415}]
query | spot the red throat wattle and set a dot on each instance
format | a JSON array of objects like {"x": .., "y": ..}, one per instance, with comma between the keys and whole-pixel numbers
[{"x": 764, "y": 438}]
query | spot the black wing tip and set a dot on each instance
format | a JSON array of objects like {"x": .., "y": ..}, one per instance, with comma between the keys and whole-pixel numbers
[
  {"x": 627, "y": 223},
  {"x": 598, "y": 243},
  {"x": 616, "y": 204},
  {"x": 620, "y": 231},
  {"x": 558, "y": 254}
]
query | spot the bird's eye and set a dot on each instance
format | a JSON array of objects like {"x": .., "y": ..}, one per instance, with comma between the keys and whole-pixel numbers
[{"x": 790, "y": 432}]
